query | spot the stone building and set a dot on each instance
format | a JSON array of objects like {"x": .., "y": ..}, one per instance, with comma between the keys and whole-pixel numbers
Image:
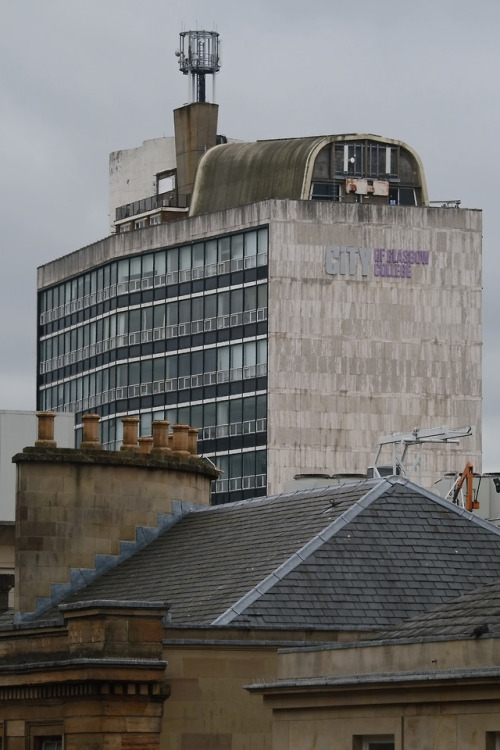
[
  {"x": 431, "y": 682},
  {"x": 141, "y": 611}
]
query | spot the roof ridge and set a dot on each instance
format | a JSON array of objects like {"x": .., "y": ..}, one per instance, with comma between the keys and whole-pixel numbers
[{"x": 302, "y": 554}]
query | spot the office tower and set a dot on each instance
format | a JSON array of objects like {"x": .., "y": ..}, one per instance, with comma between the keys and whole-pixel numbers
[{"x": 294, "y": 299}]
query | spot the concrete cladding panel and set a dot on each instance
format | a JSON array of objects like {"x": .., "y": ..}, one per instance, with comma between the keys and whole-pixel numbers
[{"x": 374, "y": 328}]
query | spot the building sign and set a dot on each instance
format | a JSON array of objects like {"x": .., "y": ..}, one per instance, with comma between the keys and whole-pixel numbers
[{"x": 383, "y": 262}]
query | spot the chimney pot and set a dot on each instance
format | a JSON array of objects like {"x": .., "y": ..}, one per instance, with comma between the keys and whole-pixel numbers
[
  {"x": 145, "y": 444},
  {"x": 45, "y": 430},
  {"x": 180, "y": 440},
  {"x": 130, "y": 434},
  {"x": 160, "y": 436},
  {"x": 193, "y": 440},
  {"x": 90, "y": 439}
]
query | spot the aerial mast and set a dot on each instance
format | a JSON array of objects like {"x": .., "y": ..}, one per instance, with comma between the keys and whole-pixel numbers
[{"x": 198, "y": 55}]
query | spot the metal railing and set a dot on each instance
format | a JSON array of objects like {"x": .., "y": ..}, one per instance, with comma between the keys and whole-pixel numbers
[{"x": 152, "y": 281}]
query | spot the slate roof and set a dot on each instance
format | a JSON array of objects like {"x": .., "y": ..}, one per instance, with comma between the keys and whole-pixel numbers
[
  {"x": 475, "y": 614},
  {"x": 358, "y": 556}
]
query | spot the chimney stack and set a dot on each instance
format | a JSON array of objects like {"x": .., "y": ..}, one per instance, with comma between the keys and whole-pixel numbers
[{"x": 80, "y": 512}]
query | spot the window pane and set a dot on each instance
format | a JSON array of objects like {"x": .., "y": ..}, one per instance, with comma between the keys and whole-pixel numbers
[
  {"x": 223, "y": 303},
  {"x": 185, "y": 311},
  {"x": 236, "y": 410},
  {"x": 171, "y": 367},
  {"x": 185, "y": 257},
  {"x": 145, "y": 429},
  {"x": 224, "y": 249},
  {"x": 159, "y": 263},
  {"x": 146, "y": 371},
  {"x": 260, "y": 462},
  {"x": 261, "y": 351},
  {"x": 158, "y": 316},
  {"x": 169, "y": 414},
  {"x": 210, "y": 252},
  {"x": 237, "y": 356},
  {"x": 197, "y": 308},
  {"x": 223, "y": 463},
  {"x": 251, "y": 243},
  {"x": 262, "y": 295},
  {"x": 198, "y": 255},
  {"x": 236, "y": 300},
  {"x": 123, "y": 270},
  {"x": 248, "y": 468},
  {"x": 172, "y": 260},
  {"x": 147, "y": 318},
  {"x": 250, "y": 353},
  {"x": 121, "y": 323},
  {"x": 262, "y": 241},
  {"x": 184, "y": 364},
  {"x": 183, "y": 415},
  {"x": 172, "y": 314},
  {"x": 235, "y": 465},
  {"x": 121, "y": 375},
  {"x": 248, "y": 409},
  {"x": 211, "y": 306},
  {"x": 210, "y": 360},
  {"x": 223, "y": 358},
  {"x": 261, "y": 407},
  {"x": 237, "y": 246},
  {"x": 196, "y": 418},
  {"x": 147, "y": 265},
  {"x": 222, "y": 412},
  {"x": 196, "y": 362},
  {"x": 134, "y": 323},
  {"x": 209, "y": 414},
  {"x": 159, "y": 368},
  {"x": 251, "y": 298}
]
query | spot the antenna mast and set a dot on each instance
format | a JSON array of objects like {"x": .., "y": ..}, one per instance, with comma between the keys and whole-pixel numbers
[{"x": 198, "y": 55}]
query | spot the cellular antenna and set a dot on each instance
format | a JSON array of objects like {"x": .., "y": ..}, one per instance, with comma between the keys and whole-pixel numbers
[{"x": 198, "y": 55}]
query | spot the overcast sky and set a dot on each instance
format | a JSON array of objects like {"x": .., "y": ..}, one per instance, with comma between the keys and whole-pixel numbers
[{"x": 79, "y": 80}]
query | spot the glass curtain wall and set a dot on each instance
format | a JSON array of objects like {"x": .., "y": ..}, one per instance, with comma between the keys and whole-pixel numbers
[{"x": 177, "y": 334}]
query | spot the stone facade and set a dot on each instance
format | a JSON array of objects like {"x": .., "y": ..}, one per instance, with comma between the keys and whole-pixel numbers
[
  {"x": 439, "y": 694},
  {"x": 352, "y": 356},
  {"x": 107, "y": 691}
]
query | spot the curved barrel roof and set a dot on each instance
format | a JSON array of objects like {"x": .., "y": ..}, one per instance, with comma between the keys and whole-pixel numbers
[{"x": 236, "y": 174}]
